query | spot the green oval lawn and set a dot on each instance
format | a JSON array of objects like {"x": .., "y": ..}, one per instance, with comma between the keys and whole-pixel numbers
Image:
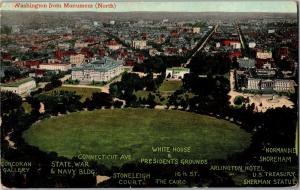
[{"x": 135, "y": 132}]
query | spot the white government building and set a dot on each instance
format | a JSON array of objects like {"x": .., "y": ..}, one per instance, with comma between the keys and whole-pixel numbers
[
  {"x": 77, "y": 59},
  {"x": 21, "y": 87},
  {"x": 264, "y": 55},
  {"x": 176, "y": 72},
  {"x": 99, "y": 70},
  {"x": 278, "y": 85},
  {"x": 55, "y": 66},
  {"x": 139, "y": 44}
]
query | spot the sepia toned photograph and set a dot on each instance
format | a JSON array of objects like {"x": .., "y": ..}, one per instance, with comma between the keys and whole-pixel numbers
[{"x": 149, "y": 94}]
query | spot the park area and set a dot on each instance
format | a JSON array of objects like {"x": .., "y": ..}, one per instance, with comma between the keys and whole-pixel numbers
[
  {"x": 170, "y": 85},
  {"x": 167, "y": 88},
  {"x": 135, "y": 132},
  {"x": 83, "y": 92}
]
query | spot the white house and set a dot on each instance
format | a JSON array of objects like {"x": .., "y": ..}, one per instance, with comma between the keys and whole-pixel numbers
[{"x": 176, "y": 72}]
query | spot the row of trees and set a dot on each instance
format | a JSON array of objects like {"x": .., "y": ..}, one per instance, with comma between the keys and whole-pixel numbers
[
  {"x": 159, "y": 64},
  {"x": 12, "y": 74},
  {"x": 211, "y": 65}
]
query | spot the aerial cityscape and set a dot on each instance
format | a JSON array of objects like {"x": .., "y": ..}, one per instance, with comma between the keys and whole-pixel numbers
[{"x": 148, "y": 98}]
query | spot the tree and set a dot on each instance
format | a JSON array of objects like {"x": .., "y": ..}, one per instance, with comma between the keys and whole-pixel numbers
[
  {"x": 151, "y": 100},
  {"x": 238, "y": 100},
  {"x": 9, "y": 102},
  {"x": 11, "y": 74},
  {"x": 99, "y": 100},
  {"x": 55, "y": 82},
  {"x": 118, "y": 104},
  {"x": 49, "y": 87}
]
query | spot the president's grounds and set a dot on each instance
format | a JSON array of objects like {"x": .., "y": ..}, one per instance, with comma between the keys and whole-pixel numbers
[{"x": 135, "y": 132}]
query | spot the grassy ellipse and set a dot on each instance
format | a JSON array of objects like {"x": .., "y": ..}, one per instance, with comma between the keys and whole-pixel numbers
[{"x": 135, "y": 132}]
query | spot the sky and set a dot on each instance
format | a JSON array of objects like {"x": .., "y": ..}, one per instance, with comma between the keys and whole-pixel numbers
[{"x": 179, "y": 6}]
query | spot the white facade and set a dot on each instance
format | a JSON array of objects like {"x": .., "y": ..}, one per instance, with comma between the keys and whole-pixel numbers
[
  {"x": 284, "y": 85},
  {"x": 55, "y": 67},
  {"x": 196, "y": 29},
  {"x": 271, "y": 31},
  {"x": 114, "y": 46},
  {"x": 100, "y": 70},
  {"x": 251, "y": 44},
  {"x": 264, "y": 55},
  {"x": 139, "y": 44},
  {"x": 22, "y": 88},
  {"x": 81, "y": 44},
  {"x": 235, "y": 45},
  {"x": 176, "y": 72},
  {"x": 94, "y": 75},
  {"x": 77, "y": 59},
  {"x": 278, "y": 85},
  {"x": 253, "y": 84}
]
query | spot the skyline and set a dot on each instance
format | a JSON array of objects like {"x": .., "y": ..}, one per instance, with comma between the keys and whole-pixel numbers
[{"x": 131, "y": 6}]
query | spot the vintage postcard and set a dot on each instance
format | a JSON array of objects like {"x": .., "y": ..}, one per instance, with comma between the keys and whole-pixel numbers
[{"x": 142, "y": 94}]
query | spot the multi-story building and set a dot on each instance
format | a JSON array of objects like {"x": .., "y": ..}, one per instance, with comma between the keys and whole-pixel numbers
[
  {"x": 253, "y": 84},
  {"x": 196, "y": 29},
  {"x": 113, "y": 45},
  {"x": 99, "y": 70},
  {"x": 77, "y": 59},
  {"x": 81, "y": 44},
  {"x": 245, "y": 62},
  {"x": 139, "y": 44},
  {"x": 21, "y": 87},
  {"x": 177, "y": 72},
  {"x": 55, "y": 66},
  {"x": 251, "y": 44},
  {"x": 278, "y": 85},
  {"x": 264, "y": 55},
  {"x": 281, "y": 85}
]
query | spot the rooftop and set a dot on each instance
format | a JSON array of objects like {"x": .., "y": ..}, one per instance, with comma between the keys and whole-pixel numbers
[
  {"x": 17, "y": 82},
  {"x": 246, "y": 62},
  {"x": 103, "y": 65},
  {"x": 179, "y": 69}
]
